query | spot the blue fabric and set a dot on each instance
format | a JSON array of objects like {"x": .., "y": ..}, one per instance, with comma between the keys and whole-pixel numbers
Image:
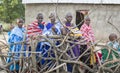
[
  {"x": 9, "y": 33},
  {"x": 9, "y": 39},
  {"x": 57, "y": 28},
  {"x": 44, "y": 53},
  {"x": 45, "y": 47},
  {"x": 69, "y": 67},
  {"x": 49, "y": 26},
  {"x": 41, "y": 26},
  {"x": 16, "y": 35},
  {"x": 114, "y": 45}
]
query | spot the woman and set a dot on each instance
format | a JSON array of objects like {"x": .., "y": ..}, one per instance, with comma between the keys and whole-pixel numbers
[
  {"x": 16, "y": 35},
  {"x": 52, "y": 28}
]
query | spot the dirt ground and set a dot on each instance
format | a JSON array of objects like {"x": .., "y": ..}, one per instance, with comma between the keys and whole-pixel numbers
[
  {"x": 3, "y": 39},
  {"x": 2, "y": 36}
]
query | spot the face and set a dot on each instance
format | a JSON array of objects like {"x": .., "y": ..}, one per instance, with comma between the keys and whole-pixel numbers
[
  {"x": 52, "y": 19},
  {"x": 20, "y": 23},
  {"x": 113, "y": 38},
  {"x": 40, "y": 18},
  {"x": 69, "y": 18},
  {"x": 87, "y": 21}
]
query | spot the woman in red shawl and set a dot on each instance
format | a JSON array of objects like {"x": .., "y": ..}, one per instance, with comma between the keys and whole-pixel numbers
[{"x": 36, "y": 28}]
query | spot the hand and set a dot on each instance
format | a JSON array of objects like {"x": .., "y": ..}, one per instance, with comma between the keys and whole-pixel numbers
[
  {"x": 89, "y": 43},
  {"x": 53, "y": 28}
]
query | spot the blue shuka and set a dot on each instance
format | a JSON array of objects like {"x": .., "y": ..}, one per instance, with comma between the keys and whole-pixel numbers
[
  {"x": 16, "y": 35},
  {"x": 45, "y": 46}
]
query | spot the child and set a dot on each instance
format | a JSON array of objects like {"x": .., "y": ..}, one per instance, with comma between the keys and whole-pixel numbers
[
  {"x": 114, "y": 45},
  {"x": 113, "y": 41}
]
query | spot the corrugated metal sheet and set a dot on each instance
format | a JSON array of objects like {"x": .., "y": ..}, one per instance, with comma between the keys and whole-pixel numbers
[{"x": 73, "y": 1}]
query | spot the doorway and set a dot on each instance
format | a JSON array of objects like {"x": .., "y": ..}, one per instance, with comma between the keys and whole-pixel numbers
[{"x": 80, "y": 14}]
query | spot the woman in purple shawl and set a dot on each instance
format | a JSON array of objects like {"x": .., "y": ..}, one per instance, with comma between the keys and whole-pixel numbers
[{"x": 76, "y": 49}]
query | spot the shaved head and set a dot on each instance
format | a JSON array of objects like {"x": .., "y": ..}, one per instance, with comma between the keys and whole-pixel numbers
[
  {"x": 52, "y": 15},
  {"x": 87, "y": 20},
  {"x": 68, "y": 15},
  {"x": 39, "y": 17},
  {"x": 112, "y": 37}
]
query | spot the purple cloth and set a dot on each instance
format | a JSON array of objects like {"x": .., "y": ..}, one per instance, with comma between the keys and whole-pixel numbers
[
  {"x": 68, "y": 24},
  {"x": 75, "y": 50}
]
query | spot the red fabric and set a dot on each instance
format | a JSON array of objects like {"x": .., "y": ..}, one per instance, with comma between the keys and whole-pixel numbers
[
  {"x": 99, "y": 55},
  {"x": 33, "y": 29},
  {"x": 87, "y": 32}
]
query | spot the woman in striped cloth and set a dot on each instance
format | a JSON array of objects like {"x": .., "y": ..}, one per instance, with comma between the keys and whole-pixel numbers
[{"x": 36, "y": 28}]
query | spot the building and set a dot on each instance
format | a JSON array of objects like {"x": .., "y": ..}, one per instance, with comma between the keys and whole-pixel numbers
[{"x": 100, "y": 11}]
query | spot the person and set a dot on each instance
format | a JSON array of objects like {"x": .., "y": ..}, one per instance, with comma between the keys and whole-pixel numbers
[
  {"x": 67, "y": 23},
  {"x": 37, "y": 27},
  {"x": 52, "y": 28},
  {"x": 115, "y": 48},
  {"x": 10, "y": 29},
  {"x": 74, "y": 32},
  {"x": 16, "y": 35},
  {"x": 87, "y": 31},
  {"x": 88, "y": 35},
  {"x": 113, "y": 41}
]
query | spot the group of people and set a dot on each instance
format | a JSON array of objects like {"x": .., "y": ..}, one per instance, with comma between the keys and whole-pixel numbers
[{"x": 54, "y": 27}]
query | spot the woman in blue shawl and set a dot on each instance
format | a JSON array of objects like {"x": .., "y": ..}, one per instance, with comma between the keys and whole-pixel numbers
[
  {"x": 52, "y": 28},
  {"x": 16, "y": 35}
]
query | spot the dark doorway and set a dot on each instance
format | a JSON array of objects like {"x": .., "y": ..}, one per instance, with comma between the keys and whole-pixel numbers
[{"x": 80, "y": 14}]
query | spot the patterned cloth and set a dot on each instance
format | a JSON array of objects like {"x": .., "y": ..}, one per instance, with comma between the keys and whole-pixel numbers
[
  {"x": 113, "y": 54},
  {"x": 34, "y": 29},
  {"x": 116, "y": 47},
  {"x": 87, "y": 32},
  {"x": 45, "y": 46},
  {"x": 74, "y": 53},
  {"x": 16, "y": 35},
  {"x": 57, "y": 28}
]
